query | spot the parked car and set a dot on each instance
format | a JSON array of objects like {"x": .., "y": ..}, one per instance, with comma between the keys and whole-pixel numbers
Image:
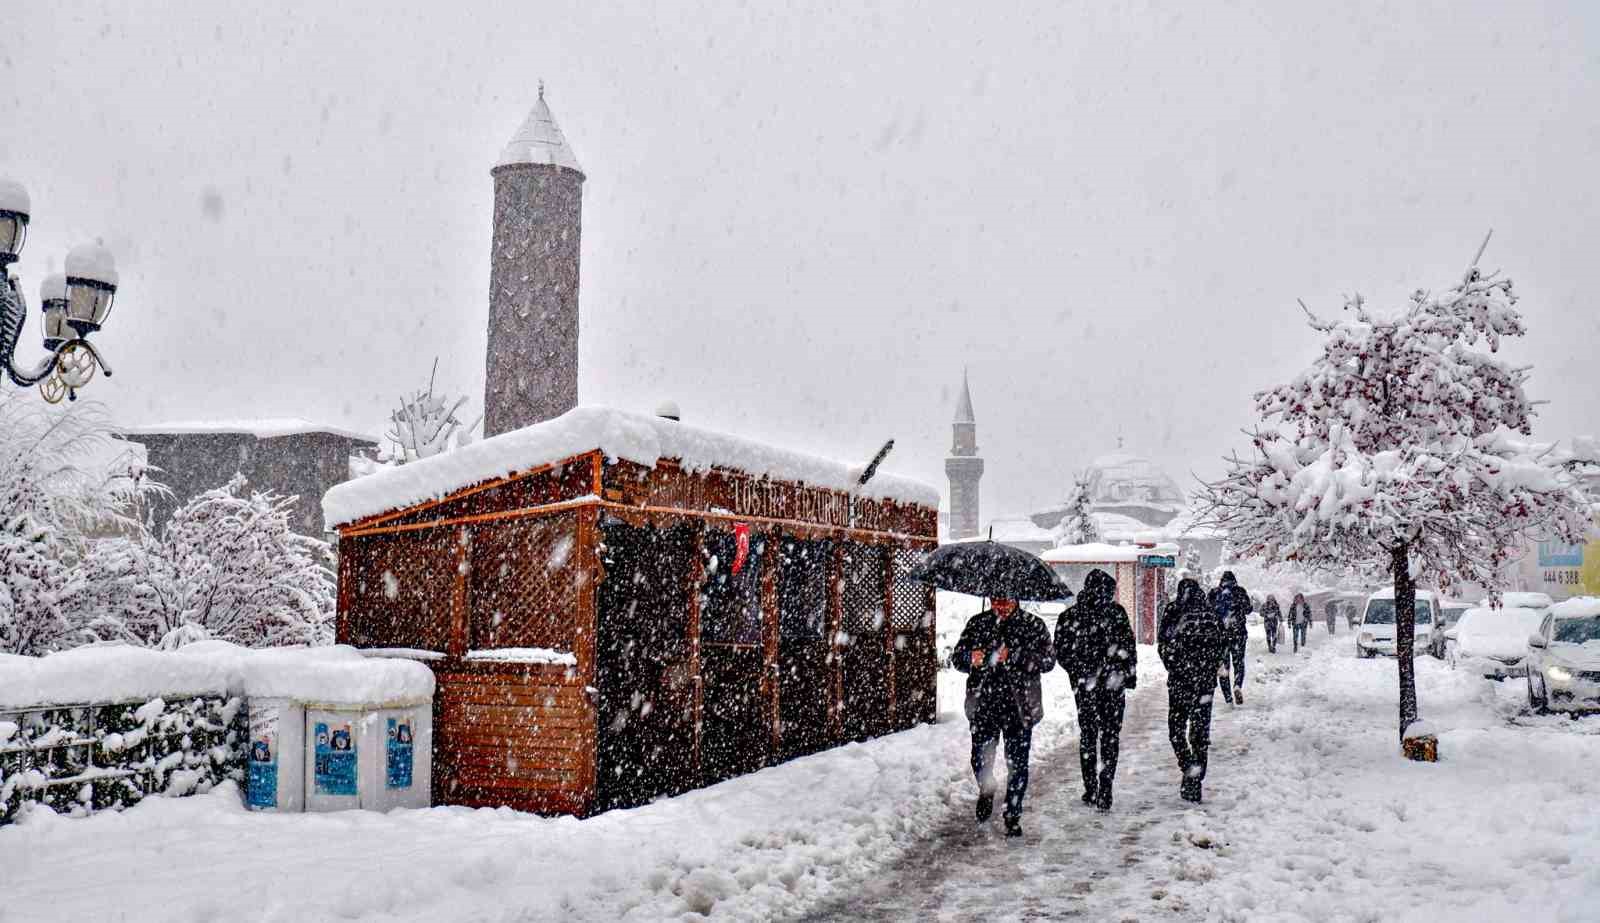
[
  {"x": 1450, "y": 612},
  {"x": 1564, "y": 658},
  {"x": 1376, "y": 634},
  {"x": 1492, "y": 641},
  {"x": 1521, "y": 600}
]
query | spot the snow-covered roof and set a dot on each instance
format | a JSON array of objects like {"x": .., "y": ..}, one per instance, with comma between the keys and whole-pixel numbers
[
  {"x": 1014, "y": 530},
  {"x": 540, "y": 140},
  {"x": 619, "y": 434},
  {"x": 1388, "y": 593},
  {"x": 336, "y": 675},
  {"x": 266, "y": 428},
  {"x": 1578, "y": 607},
  {"x": 1103, "y": 553},
  {"x": 1125, "y": 478}
]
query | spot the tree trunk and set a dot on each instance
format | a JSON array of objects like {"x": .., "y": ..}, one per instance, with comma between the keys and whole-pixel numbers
[{"x": 1405, "y": 633}]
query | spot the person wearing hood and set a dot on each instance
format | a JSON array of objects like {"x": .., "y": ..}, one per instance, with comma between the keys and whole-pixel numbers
[
  {"x": 1003, "y": 650},
  {"x": 1232, "y": 604},
  {"x": 1299, "y": 620},
  {"x": 1330, "y": 612},
  {"x": 1095, "y": 645},
  {"x": 1191, "y": 642},
  {"x": 1270, "y": 615}
]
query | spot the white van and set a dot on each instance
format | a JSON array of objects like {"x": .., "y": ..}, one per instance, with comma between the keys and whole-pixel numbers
[{"x": 1375, "y": 635}]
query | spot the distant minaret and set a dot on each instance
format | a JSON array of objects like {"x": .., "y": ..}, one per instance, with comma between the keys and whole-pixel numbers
[
  {"x": 533, "y": 277},
  {"x": 964, "y": 468}
]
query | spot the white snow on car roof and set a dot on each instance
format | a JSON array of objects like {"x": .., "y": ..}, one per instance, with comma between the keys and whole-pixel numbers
[
  {"x": 1578, "y": 607},
  {"x": 619, "y": 434}
]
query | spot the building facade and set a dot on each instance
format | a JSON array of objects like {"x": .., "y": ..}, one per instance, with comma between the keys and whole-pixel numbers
[
  {"x": 964, "y": 468},
  {"x": 532, "y": 372}
]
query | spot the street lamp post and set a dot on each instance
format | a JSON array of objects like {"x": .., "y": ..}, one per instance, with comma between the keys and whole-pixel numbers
[{"x": 73, "y": 305}]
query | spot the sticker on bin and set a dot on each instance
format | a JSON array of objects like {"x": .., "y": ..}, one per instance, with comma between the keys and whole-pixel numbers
[
  {"x": 400, "y": 745},
  {"x": 262, "y": 787},
  {"x": 336, "y": 760}
]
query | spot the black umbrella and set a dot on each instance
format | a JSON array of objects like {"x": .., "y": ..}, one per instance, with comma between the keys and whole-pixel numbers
[{"x": 991, "y": 569}]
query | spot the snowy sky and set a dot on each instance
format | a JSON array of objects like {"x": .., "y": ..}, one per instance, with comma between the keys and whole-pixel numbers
[{"x": 800, "y": 224}]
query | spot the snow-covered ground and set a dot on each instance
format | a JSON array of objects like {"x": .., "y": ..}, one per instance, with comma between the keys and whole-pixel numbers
[{"x": 1311, "y": 814}]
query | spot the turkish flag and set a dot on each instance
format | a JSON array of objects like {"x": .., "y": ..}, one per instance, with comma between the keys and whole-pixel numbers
[{"x": 741, "y": 541}]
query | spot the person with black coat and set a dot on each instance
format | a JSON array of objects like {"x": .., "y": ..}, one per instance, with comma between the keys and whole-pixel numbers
[
  {"x": 1095, "y": 645},
  {"x": 1003, "y": 650},
  {"x": 1270, "y": 615},
  {"x": 1299, "y": 620},
  {"x": 1232, "y": 604},
  {"x": 1330, "y": 612},
  {"x": 1191, "y": 642}
]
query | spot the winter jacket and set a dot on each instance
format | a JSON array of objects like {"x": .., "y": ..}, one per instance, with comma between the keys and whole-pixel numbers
[
  {"x": 1231, "y": 604},
  {"x": 1299, "y": 611},
  {"x": 1003, "y": 691},
  {"x": 1094, "y": 638},
  {"x": 1192, "y": 638},
  {"x": 1270, "y": 613}
]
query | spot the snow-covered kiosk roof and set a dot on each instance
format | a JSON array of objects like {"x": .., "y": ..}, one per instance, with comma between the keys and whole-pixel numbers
[
  {"x": 619, "y": 436},
  {"x": 533, "y": 570}
]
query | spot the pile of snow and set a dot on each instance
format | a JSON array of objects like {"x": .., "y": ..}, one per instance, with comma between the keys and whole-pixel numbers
[
  {"x": 1577, "y": 607},
  {"x": 266, "y": 428},
  {"x": 91, "y": 261},
  {"x": 525, "y": 655},
  {"x": 1101, "y": 553},
  {"x": 634, "y": 437},
  {"x": 13, "y": 197},
  {"x": 337, "y": 675},
  {"x": 1499, "y": 633}
]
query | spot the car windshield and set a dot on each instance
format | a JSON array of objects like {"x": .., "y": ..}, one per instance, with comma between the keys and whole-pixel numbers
[
  {"x": 1577, "y": 631},
  {"x": 1381, "y": 612},
  {"x": 1451, "y": 615}
]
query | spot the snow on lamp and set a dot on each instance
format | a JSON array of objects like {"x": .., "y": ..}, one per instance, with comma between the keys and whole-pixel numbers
[
  {"x": 53, "y": 305},
  {"x": 14, "y": 210},
  {"x": 91, "y": 285}
]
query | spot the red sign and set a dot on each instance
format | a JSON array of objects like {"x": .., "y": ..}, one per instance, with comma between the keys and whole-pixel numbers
[{"x": 741, "y": 540}]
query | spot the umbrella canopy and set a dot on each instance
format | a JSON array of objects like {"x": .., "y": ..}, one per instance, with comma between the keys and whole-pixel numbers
[{"x": 991, "y": 569}]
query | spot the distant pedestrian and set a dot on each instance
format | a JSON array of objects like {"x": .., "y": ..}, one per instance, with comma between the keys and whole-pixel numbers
[
  {"x": 1003, "y": 650},
  {"x": 1232, "y": 605},
  {"x": 1095, "y": 645},
  {"x": 1270, "y": 616},
  {"x": 1330, "y": 612},
  {"x": 1192, "y": 642},
  {"x": 1299, "y": 620},
  {"x": 1352, "y": 614}
]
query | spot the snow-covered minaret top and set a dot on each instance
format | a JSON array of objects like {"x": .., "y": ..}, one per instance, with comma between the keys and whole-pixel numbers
[
  {"x": 964, "y": 412},
  {"x": 540, "y": 140}
]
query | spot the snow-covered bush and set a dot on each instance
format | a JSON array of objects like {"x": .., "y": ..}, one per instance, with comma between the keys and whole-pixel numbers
[
  {"x": 1397, "y": 447},
  {"x": 228, "y": 565},
  {"x": 1077, "y": 525},
  {"x": 426, "y": 425}
]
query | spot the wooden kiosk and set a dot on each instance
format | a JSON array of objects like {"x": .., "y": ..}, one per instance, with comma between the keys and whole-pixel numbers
[
  {"x": 619, "y": 607},
  {"x": 1140, "y": 570}
]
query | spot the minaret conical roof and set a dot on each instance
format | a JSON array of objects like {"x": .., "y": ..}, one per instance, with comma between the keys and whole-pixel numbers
[
  {"x": 540, "y": 140},
  {"x": 964, "y": 412}
]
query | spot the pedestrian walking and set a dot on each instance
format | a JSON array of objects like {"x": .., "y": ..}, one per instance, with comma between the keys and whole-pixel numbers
[
  {"x": 1270, "y": 616},
  {"x": 1003, "y": 650},
  {"x": 1299, "y": 620},
  {"x": 1232, "y": 605},
  {"x": 1330, "y": 612},
  {"x": 1095, "y": 645},
  {"x": 1352, "y": 614},
  {"x": 1191, "y": 642}
]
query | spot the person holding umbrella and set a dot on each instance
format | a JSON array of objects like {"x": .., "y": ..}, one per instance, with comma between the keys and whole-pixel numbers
[{"x": 1003, "y": 650}]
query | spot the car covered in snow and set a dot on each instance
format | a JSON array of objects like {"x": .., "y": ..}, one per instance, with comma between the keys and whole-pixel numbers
[
  {"x": 1564, "y": 658},
  {"x": 1375, "y": 635},
  {"x": 1492, "y": 641}
]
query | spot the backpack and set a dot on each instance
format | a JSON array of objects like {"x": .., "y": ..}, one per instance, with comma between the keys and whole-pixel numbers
[{"x": 1196, "y": 643}]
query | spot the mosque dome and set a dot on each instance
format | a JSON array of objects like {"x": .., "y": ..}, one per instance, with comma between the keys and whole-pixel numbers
[{"x": 1124, "y": 479}]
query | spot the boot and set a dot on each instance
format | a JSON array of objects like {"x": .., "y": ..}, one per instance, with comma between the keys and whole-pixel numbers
[
  {"x": 985, "y": 806},
  {"x": 1013, "y": 826},
  {"x": 1102, "y": 801},
  {"x": 1189, "y": 790},
  {"x": 1089, "y": 796},
  {"x": 1238, "y": 694}
]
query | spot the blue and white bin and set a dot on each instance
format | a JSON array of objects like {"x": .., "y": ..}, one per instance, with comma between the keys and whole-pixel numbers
[{"x": 318, "y": 755}]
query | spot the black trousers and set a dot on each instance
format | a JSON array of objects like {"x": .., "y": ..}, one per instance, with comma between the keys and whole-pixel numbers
[
  {"x": 1272, "y": 636},
  {"x": 1234, "y": 655},
  {"x": 1100, "y": 714},
  {"x": 1189, "y": 723},
  {"x": 1018, "y": 734}
]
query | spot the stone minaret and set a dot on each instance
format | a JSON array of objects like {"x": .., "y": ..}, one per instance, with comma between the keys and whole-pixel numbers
[
  {"x": 533, "y": 277},
  {"x": 964, "y": 468}
]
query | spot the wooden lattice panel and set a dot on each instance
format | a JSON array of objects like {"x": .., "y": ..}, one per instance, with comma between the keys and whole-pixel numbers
[
  {"x": 863, "y": 591},
  {"x": 526, "y": 582},
  {"x": 913, "y": 599},
  {"x": 399, "y": 589}
]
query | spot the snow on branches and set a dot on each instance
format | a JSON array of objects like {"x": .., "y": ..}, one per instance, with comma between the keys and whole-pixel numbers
[
  {"x": 426, "y": 425},
  {"x": 1401, "y": 436},
  {"x": 1077, "y": 526},
  {"x": 227, "y": 566}
]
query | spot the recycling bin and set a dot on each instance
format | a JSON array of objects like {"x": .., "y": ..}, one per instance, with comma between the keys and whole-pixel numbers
[{"x": 275, "y": 761}]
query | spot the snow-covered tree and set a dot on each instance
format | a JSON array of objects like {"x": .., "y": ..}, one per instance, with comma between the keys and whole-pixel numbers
[
  {"x": 1192, "y": 568},
  {"x": 228, "y": 565},
  {"x": 1077, "y": 526},
  {"x": 1396, "y": 446},
  {"x": 426, "y": 425}
]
